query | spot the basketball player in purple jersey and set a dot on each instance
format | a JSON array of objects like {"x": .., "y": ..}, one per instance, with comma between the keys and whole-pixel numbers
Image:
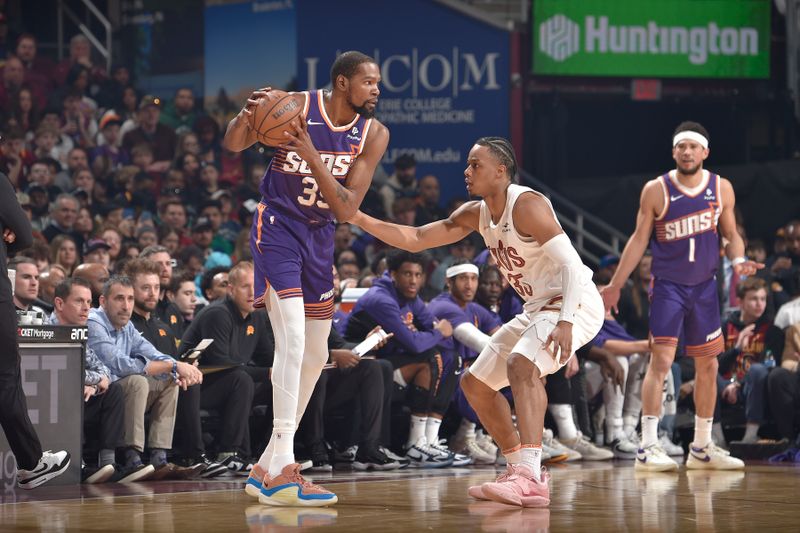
[
  {"x": 321, "y": 173},
  {"x": 679, "y": 215}
]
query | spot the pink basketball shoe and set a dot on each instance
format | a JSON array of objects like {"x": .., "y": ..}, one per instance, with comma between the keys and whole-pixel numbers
[
  {"x": 520, "y": 488},
  {"x": 476, "y": 491}
]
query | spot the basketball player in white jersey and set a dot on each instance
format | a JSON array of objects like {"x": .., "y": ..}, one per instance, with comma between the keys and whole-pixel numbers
[{"x": 562, "y": 312}]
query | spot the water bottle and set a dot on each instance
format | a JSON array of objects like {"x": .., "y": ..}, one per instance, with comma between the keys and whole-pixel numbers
[{"x": 769, "y": 359}]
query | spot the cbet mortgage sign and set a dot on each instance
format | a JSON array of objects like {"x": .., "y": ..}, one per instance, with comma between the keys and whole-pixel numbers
[{"x": 649, "y": 38}]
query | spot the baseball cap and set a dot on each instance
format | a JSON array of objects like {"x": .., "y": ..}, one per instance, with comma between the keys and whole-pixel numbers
[
  {"x": 94, "y": 245},
  {"x": 148, "y": 100},
  {"x": 220, "y": 193},
  {"x": 110, "y": 117},
  {"x": 202, "y": 223},
  {"x": 35, "y": 186}
]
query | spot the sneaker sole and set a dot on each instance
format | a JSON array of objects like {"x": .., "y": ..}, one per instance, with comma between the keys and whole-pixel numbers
[
  {"x": 191, "y": 472},
  {"x": 477, "y": 493},
  {"x": 563, "y": 458},
  {"x": 429, "y": 464},
  {"x": 217, "y": 471},
  {"x": 101, "y": 476},
  {"x": 140, "y": 475},
  {"x": 501, "y": 497},
  {"x": 699, "y": 465},
  {"x": 252, "y": 488},
  {"x": 44, "y": 478},
  {"x": 289, "y": 497},
  {"x": 644, "y": 467},
  {"x": 363, "y": 467}
]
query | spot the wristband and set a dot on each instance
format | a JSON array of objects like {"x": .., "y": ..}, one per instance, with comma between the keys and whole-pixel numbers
[
  {"x": 175, "y": 370},
  {"x": 738, "y": 261}
]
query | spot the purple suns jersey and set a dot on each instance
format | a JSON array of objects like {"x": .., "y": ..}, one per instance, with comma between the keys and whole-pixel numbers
[
  {"x": 288, "y": 184},
  {"x": 685, "y": 242}
]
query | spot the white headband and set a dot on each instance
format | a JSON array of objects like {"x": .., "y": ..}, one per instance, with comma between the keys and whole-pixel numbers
[
  {"x": 466, "y": 268},
  {"x": 691, "y": 136}
]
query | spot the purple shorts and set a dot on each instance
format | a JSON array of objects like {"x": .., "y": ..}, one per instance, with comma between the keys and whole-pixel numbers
[
  {"x": 295, "y": 259},
  {"x": 692, "y": 310}
]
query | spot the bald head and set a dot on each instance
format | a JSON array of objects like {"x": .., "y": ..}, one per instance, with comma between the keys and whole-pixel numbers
[
  {"x": 48, "y": 281},
  {"x": 96, "y": 274}
]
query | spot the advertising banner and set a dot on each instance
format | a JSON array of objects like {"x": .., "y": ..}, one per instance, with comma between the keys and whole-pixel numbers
[
  {"x": 445, "y": 76},
  {"x": 664, "y": 38}
]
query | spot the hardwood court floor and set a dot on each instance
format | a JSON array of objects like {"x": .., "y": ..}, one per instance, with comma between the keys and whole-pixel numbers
[{"x": 585, "y": 497}]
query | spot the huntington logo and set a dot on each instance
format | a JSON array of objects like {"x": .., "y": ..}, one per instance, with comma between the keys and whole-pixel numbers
[{"x": 559, "y": 37}]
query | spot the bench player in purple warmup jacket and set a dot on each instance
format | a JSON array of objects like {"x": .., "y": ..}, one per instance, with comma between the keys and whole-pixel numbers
[{"x": 321, "y": 173}]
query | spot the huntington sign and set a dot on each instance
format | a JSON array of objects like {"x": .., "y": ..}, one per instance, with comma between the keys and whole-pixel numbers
[{"x": 669, "y": 38}]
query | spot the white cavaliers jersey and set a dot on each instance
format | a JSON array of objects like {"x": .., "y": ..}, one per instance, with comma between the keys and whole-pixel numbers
[{"x": 535, "y": 277}]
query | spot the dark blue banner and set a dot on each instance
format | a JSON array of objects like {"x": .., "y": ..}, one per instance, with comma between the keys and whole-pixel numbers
[{"x": 445, "y": 75}]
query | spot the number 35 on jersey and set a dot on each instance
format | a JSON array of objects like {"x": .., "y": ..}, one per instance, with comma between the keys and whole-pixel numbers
[{"x": 338, "y": 165}]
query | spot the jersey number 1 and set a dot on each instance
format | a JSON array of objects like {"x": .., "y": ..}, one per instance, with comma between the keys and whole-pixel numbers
[
  {"x": 691, "y": 250},
  {"x": 310, "y": 192}
]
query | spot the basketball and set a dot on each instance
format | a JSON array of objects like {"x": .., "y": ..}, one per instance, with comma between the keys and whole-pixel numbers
[{"x": 272, "y": 115}]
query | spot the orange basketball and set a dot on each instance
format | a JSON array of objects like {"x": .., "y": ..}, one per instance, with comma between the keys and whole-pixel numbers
[{"x": 272, "y": 115}]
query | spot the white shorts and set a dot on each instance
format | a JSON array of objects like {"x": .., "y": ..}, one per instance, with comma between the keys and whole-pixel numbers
[{"x": 526, "y": 334}]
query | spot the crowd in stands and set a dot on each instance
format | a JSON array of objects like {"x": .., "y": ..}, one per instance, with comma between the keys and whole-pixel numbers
[{"x": 142, "y": 224}]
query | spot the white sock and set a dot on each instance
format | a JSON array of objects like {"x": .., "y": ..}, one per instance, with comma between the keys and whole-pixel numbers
[
  {"x": 283, "y": 434},
  {"x": 562, "y": 413},
  {"x": 532, "y": 458},
  {"x": 417, "y": 429},
  {"x": 702, "y": 431},
  {"x": 432, "y": 430},
  {"x": 649, "y": 430}
]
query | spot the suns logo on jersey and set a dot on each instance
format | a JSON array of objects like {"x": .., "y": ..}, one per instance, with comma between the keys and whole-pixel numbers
[
  {"x": 688, "y": 226},
  {"x": 162, "y": 333},
  {"x": 250, "y": 331},
  {"x": 507, "y": 257},
  {"x": 338, "y": 164}
]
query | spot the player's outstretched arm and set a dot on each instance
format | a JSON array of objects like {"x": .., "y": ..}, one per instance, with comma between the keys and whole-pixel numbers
[
  {"x": 461, "y": 223},
  {"x": 240, "y": 134},
  {"x": 650, "y": 204}
]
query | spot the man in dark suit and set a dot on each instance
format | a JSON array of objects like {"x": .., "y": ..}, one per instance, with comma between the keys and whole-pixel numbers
[{"x": 33, "y": 466}]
